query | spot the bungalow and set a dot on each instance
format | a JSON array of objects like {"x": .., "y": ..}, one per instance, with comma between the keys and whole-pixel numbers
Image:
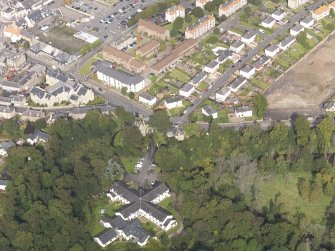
[
  {"x": 248, "y": 37},
  {"x": 271, "y": 51},
  {"x": 147, "y": 99},
  {"x": 222, "y": 94},
  {"x": 248, "y": 71},
  {"x": 243, "y": 112},
  {"x": 5, "y": 146},
  {"x": 294, "y": 31},
  {"x": 261, "y": 62},
  {"x": 198, "y": 78},
  {"x": 209, "y": 111},
  {"x": 224, "y": 56},
  {"x": 237, "y": 84},
  {"x": 187, "y": 90},
  {"x": 268, "y": 22},
  {"x": 3, "y": 185},
  {"x": 237, "y": 46},
  {"x": 38, "y": 137},
  {"x": 278, "y": 14},
  {"x": 320, "y": 12},
  {"x": 173, "y": 102},
  {"x": 307, "y": 22},
  {"x": 287, "y": 42},
  {"x": 211, "y": 67}
]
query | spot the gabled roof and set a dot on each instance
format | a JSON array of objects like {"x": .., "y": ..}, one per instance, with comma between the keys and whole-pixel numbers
[
  {"x": 272, "y": 48},
  {"x": 198, "y": 77},
  {"x": 237, "y": 44},
  {"x": 278, "y": 12},
  {"x": 57, "y": 74},
  {"x": 237, "y": 82},
  {"x": 39, "y": 135},
  {"x": 107, "y": 235},
  {"x": 125, "y": 192},
  {"x": 209, "y": 110},
  {"x": 147, "y": 96},
  {"x": 287, "y": 41},
  {"x": 268, "y": 20},
  {"x": 3, "y": 182},
  {"x": 243, "y": 109},
  {"x": 7, "y": 145},
  {"x": 247, "y": 68}
]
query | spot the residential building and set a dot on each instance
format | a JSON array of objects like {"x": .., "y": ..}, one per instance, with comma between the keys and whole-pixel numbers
[
  {"x": 307, "y": 22},
  {"x": 248, "y": 37},
  {"x": 19, "y": 100},
  {"x": 224, "y": 56},
  {"x": 173, "y": 102},
  {"x": 147, "y": 99},
  {"x": 332, "y": 5},
  {"x": 71, "y": 91},
  {"x": 243, "y": 112},
  {"x": 296, "y": 29},
  {"x": 3, "y": 185},
  {"x": 209, "y": 111},
  {"x": 11, "y": 86},
  {"x": 293, "y": 4},
  {"x": 186, "y": 90},
  {"x": 122, "y": 58},
  {"x": 222, "y": 94},
  {"x": 12, "y": 32},
  {"x": 329, "y": 107},
  {"x": 38, "y": 137},
  {"x": 268, "y": 22},
  {"x": 173, "y": 12},
  {"x": 237, "y": 84},
  {"x": 121, "y": 42},
  {"x": 229, "y": 8},
  {"x": 143, "y": 204},
  {"x": 271, "y": 51},
  {"x": 32, "y": 115},
  {"x": 211, "y": 67},
  {"x": 320, "y": 12},
  {"x": 261, "y": 62},
  {"x": 54, "y": 76},
  {"x": 5, "y": 146},
  {"x": 248, "y": 71},
  {"x": 278, "y": 14},
  {"x": 7, "y": 112},
  {"x": 287, "y": 42},
  {"x": 149, "y": 49},
  {"x": 201, "y": 3},
  {"x": 198, "y": 78},
  {"x": 34, "y": 18},
  {"x": 153, "y": 30},
  {"x": 176, "y": 54},
  {"x": 237, "y": 46},
  {"x": 199, "y": 28},
  {"x": 119, "y": 79}
]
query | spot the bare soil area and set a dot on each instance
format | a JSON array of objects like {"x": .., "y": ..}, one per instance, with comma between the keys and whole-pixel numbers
[{"x": 309, "y": 83}]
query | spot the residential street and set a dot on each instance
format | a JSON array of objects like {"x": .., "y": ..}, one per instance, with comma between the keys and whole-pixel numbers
[{"x": 222, "y": 81}]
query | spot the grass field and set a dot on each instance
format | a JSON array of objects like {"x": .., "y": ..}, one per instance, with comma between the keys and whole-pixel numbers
[
  {"x": 62, "y": 38},
  {"x": 179, "y": 75},
  {"x": 284, "y": 190},
  {"x": 129, "y": 163},
  {"x": 86, "y": 69}
]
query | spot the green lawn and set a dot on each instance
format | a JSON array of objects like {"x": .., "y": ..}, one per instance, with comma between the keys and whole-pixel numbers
[
  {"x": 86, "y": 69},
  {"x": 202, "y": 86},
  {"x": 129, "y": 163},
  {"x": 258, "y": 83},
  {"x": 185, "y": 24},
  {"x": 286, "y": 192},
  {"x": 179, "y": 75}
]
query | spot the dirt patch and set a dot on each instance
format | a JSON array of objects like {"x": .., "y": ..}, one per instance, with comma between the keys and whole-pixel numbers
[{"x": 309, "y": 83}]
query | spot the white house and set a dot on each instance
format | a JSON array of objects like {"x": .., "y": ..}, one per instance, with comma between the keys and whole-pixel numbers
[
  {"x": 307, "y": 22},
  {"x": 173, "y": 12},
  {"x": 12, "y": 32},
  {"x": 173, "y": 102},
  {"x": 243, "y": 112},
  {"x": 268, "y": 22},
  {"x": 5, "y": 146},
  {"x": 237, "y": 46},
  {"x": 294, "y": 31},
  {"x": 106, "y": 238},
  {"x": 237, "y": 84},
  {"x": 198, "y": 78},
  {"x": 119, "y": 79},
  {"x": 37, "y": 137},
  {"x": 3, "y": 185},
  {"x": 320, "y": 12},
  {"x": 186, "y": 90},
  {"x": 248, "y": 71},
  {"x": 209, "y": 111},
  {"x": 147, "y": 99},
  {"x": 211, "y": 67},
  {"x": 7, "y": 112},
  {"x": 222, "y": 94},
  {"x": 248, "y": 37},
  {"x": 271, "y": 51},
  {"x": 278, "y": 14},
  {"x": 329, "y": 107},
  {"x": 287, "y": 42}
]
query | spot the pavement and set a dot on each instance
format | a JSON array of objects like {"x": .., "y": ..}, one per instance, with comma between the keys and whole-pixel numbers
[{"x": 223, "y": 79}]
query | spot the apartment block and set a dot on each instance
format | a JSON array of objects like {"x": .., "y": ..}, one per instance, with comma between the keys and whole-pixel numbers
[
  {"x": 229, "y": 8},
  {"x": 200, "y": 28}
]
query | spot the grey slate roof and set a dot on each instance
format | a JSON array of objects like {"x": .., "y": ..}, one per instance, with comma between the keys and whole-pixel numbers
[
  {"x": 223, "y": 91},
  {"x": 173, "y": 99},
  {"x": 247, "y": 68},
  {"x": 153, "y": 193},
  {"x": 186, "y": 87},
  {"x": 121, "y": 76},
  {"x": 224, "y": 56},
  {"x": 3, "y": 182},
  {"x": 125, "y": 192},
  {"x": 287, "y": 41},
  {"x": 249, "y": 34},
  {"x": 198, "y": 78},
  {"x": 107, "y": 235},
  {"x": 7, "y": 145},
  {"x": 268, "y": 20},
  {"x": 272, "y": 48},
  {"x": 243, "y": 109},
  {"x": 147, "y": 96},
  {"x": 261, "y": 61},
  {"x": 237, "y": 44},
  {"x": 36, "y": 16},
  {"x": 307, "y": 20},
  {"x": 6, "y": 109},
  {"x": 212, "y": 64},
  {"x": 38, "y": 134},
  {"x": 237, "y": 82},
  {"x": 10, "y": 84},
  {"x": 209, "y": 110},
  {"x": 136, "y": 230},
  {"x": 297, "y": 28},
  {"x": 57, "y": 74},
  {"x": 278, "y": 12}
]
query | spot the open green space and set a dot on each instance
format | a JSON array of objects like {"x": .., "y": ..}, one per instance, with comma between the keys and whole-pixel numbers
[
  {"x": 283, "y": 190},
  {"x": 258, "y": 83},
  {"x": 129, "y": 163},
  {"x": 179, "y": 75},
  {"x": 86, "y": 68}
]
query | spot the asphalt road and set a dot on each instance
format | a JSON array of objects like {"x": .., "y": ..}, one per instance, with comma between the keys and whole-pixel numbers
[{"x": 222, "y": 80}]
